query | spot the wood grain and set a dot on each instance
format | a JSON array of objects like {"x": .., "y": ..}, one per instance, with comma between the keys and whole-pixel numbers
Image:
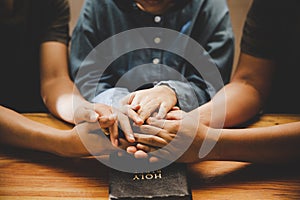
[{"x": 26, "y": 174}]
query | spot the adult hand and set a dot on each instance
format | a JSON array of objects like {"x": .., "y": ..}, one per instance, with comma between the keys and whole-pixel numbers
[
  {"x": 178, "y": 140},
  {"x": 109, "y": 118},
  {"x": 160, "y": 99},
  {"x": 91, "y": 112},
  {"x": 102, "y": 113},
  {"x": 175, "y": 114},
  {"x": 87, "y": 139},
  {"x": 124, "y": 123}
]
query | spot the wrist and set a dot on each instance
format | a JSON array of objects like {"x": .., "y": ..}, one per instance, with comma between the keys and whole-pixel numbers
[
  {"x": 67, "y": 144},
  {"x": 50, "y": 140},
  {"x": 166, "y": 89},
  {"x": 214, "y": 137}
]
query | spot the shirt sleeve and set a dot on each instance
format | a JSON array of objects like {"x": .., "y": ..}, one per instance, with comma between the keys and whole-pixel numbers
[
  {"x": 83, "y": 41},
  {"x": 218, "y": 42},
  {"x": 56, "y": 19},
  {"x": 219, "y": 39},
  {"x": 187, "y": 99},
  {"x": 111, "y": 97}
]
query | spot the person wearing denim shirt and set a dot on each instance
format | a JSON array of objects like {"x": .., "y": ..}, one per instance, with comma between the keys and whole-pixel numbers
[{"x": 206, "y": 22}]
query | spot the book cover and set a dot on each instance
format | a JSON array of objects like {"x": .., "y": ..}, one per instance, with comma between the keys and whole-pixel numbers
[{"x": 168, "y": 183}]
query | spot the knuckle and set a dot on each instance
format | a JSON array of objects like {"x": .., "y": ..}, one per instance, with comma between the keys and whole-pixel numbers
[
  {"x": 176, "y": 127},
  {"x": 144, "y": 128}
]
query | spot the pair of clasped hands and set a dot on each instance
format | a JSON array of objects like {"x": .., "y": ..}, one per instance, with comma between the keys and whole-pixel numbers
[{"x": 156, "y": 120}]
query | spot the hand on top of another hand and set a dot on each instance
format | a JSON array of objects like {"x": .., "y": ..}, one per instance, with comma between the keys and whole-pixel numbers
[
  {"x": 178, "y": 140},
  {"x": 160, "y": 99}
]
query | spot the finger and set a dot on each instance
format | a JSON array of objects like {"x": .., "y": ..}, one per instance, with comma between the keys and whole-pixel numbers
[
  {"x": 85, "y": 115},
  {"x": 126, "y": 127},
  {"x": 145, "y": 148},
  {"x": 124, "y": 144},
  {"x": 126, "y": 107},
  {"x": 151, "y": 140},
  {"x": 175, "y": 115},
  {"x": 107, "y": 121},
  {"x": 163, "y": 110},
  {"x": 127, "y": 99},
  {"x": 147, "y": 109},
  {"x": 155, "y": 131},
  {"x": 158, "y": 123},
  {"x": 171, "y": 126},
  {"x": 92, "y": 116},
  {"x": 140, "y": 154},
  {"x": 102, "y": 110},
  {"x": 175, "y": 108},
  {"x": 132, "y": 114},
  {"x": 131, "y": 97},
  {"x": 113, "y": 130},
  {"x": 154, "y": 114},
  {"x": 136, "y": 99},
  {"x": 149, "y": 130},
  {"x": 131, "y": 149},
  {"x": 154, "y": 159},
  {"x": 135, "y": 107}
]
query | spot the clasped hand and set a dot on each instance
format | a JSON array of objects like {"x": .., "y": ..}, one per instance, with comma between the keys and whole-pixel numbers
[
  {"x": 153, "y": 111},
  {"x": 177, "y": 138},
  {"x": 165, "y": 132}
]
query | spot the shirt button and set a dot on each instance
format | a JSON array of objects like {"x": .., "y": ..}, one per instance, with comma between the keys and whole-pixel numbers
[
  {"x": 157, "y": 19},
  {"x": 155, "y": 61},
  {"x": 157, "y": 40}
]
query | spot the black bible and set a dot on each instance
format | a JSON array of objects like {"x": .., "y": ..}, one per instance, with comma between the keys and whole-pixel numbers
[{"x": 168, "y": 183}]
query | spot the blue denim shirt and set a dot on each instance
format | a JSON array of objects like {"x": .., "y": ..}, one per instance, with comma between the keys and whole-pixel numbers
[{"x": 207, "y": 22}]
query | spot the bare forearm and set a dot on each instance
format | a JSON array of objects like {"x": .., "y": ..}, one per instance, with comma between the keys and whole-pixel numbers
[
  {"x": 57, "y": 88},
  {"x": 230, "y": 107},
  {"x": 17, "y": 130},
  {"x": 62, "y": 98},
  {"x": 276, "y": 144},
  {"x": 244, "y": 95}
]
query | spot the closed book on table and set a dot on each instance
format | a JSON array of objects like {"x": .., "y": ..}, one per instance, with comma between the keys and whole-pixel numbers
[{"x": 168, "y": 183}]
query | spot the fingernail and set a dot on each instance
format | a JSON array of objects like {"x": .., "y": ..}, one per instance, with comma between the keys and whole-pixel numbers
[
  {"x": 139, "y": 121},
  {"x": 136, "y": 125},
  {"x": 131, "y": 138}
]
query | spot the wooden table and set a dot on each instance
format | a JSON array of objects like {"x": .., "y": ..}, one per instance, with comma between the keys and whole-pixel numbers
[{"x": 26, "y": 174}]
